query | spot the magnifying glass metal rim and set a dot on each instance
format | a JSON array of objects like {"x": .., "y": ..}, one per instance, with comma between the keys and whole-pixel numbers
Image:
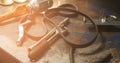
[{"x": 77, "y": 12}]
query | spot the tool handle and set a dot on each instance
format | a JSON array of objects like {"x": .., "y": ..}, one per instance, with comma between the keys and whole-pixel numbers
[
  {"x": 42, "y": 39},
  {"x": 48, "y": 35},
  {"x": 21, "y": 10},
  {"x": 39, "y": 51}
]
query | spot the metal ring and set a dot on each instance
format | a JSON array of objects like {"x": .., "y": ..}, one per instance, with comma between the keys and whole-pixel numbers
[{"x": 77, "y": 12}]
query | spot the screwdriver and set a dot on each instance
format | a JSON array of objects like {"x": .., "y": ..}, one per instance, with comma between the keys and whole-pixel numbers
[{"x": 37, "y": 50}]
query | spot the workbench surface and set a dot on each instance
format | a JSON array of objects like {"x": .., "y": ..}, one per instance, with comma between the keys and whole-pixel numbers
[{"x": 59, "y": 52}]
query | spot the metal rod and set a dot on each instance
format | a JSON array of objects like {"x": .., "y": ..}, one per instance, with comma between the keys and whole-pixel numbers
[{"x": 48, "y": 35}]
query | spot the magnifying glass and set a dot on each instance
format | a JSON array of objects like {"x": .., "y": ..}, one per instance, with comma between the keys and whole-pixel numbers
[{"x": 80, "y": 33}]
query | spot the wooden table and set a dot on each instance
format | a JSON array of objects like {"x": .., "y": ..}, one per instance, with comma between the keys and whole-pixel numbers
[{"x": 59, "y": 52}]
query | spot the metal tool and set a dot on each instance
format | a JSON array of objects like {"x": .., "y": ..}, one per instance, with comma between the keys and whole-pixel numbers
[
  {"x": 21, "y": 36},
  {"x": 38, "y": 49},
  {"x": 32, "y": 4},
  {"x": 28, "y": 21}
]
